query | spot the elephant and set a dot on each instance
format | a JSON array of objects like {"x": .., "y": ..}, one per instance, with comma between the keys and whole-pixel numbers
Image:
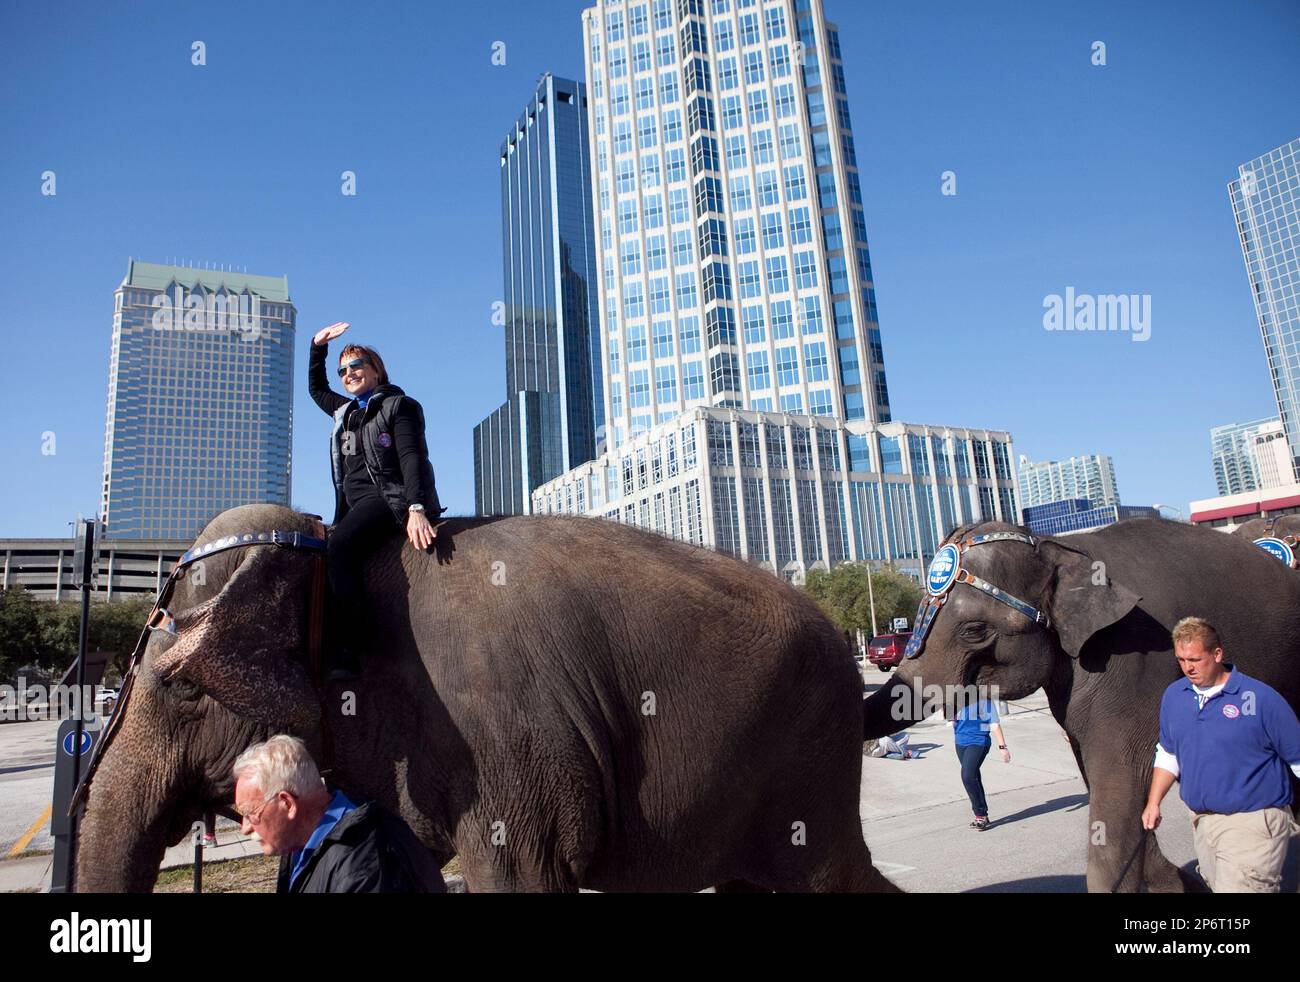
[
  {"x": 561, "y": 702},
  {"x": 1094, "y": 634},
  {"x": 1284, "y": 527}
]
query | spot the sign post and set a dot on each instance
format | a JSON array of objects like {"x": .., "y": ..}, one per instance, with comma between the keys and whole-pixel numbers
[{"x": 74, "y": 740}]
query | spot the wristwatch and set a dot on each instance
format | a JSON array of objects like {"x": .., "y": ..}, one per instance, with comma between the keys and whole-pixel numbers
[
  {"x": 419, "y": 508},
  {"x": 1002, "y": 746}
]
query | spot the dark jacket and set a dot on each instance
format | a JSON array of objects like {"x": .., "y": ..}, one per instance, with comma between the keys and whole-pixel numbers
[
  {"x": 392, "y": 443},
  {"x": 370, "y": 850}
]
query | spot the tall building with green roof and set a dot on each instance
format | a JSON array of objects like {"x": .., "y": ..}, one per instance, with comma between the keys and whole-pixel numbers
[{"x": 200, "y": 398}]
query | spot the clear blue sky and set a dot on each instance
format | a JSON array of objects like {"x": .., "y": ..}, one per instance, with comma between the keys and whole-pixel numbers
[{"x": 1106, "y": 179}]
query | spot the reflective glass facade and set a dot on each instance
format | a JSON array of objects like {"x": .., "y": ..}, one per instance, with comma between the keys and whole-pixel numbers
[
  {"x": 200, "y": 399},
  {"x": 1080, "y": 515},
  {"x": 1090, "y": 476},
  {"x": 1266, "y": 203},
  {"x": 734, "y": 270},
  {"x": 552, "y": 415},
  {"x": 794, "y": 493}
]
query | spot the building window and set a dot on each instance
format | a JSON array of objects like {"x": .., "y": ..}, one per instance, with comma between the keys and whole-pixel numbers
[
  {"x": 665, "y": 384},
  {"x": 773, "y": 231},
  {"x": 740, "y": 196},
  {"x": 787, "y": 366},
  {"x": 778, "y": 277},
  {"x": 760, "y": 377},
  {"x": 814, "y": 355},
  {"x": 782, "y": 319},
  {"x": 745, "y": 240}
]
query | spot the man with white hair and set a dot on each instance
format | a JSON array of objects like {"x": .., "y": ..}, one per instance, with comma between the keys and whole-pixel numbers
[{"x": 327, "y": 844}]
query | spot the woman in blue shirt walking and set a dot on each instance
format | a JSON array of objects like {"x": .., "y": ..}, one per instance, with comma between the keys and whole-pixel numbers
[{"x": 971, "y": 728}]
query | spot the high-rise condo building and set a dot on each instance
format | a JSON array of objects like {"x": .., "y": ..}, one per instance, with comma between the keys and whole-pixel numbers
[
  {"x": 1233, "y": 451},
  {"x": 1090, "y": 476},
  {"x": 554, "y": 406},
  {"x": 200, "y": 398},
  {"x": 745, "y": 396},
  {"x": 1266, "y": 202}
]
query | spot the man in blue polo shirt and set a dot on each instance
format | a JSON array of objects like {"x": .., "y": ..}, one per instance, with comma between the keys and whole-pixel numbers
[{"x": 1232, "y": 743}]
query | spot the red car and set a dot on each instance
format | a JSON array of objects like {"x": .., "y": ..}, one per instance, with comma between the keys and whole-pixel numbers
[{"x": 886, "y": 651}]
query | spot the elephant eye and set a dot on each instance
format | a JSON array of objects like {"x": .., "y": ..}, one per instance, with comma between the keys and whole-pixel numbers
[{"x": 975, "y": 632}]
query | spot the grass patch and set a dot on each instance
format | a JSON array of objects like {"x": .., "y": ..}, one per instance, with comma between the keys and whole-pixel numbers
[{"x": 248, "y": 874}]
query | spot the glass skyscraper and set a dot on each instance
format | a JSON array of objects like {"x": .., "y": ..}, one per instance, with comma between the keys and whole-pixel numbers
[
  {"x": 745, "y": 398},
  {"x": 735, "y": 269},
  {"x": 1266, "y": 203},
  {"x": 553, "y": 413},
  {"x": 200, "y": 398}
]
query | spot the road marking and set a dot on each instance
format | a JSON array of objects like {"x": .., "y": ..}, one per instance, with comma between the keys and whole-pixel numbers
[
  {"x": 30, "y": 834},
  {"x": 891, "y": 867}
]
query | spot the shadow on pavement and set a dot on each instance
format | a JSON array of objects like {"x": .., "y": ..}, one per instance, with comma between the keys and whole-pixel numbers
[
  {"x": 1068, "y": 803},
  {"x": 1037, "y": 884}
]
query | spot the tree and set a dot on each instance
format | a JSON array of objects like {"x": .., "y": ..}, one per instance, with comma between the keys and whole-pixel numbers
[
  {"x": 47, "y": 633},
  {"x": 844, "y": 595},
  {"x": 117, "y": 627},
  {"x": 20, "y": 629}
]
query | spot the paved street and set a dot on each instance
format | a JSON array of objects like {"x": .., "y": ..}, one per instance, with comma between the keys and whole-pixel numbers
[
  {"x": 26, "y": 781},
  {"x": 915, "y": 815}
]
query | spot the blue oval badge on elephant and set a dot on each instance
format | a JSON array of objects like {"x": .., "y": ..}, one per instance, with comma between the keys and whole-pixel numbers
[
  {"x": 1277, "y": 549},
  {"x": 943, "y": 570}
]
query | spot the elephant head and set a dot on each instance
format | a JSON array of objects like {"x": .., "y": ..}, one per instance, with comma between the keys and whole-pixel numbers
[
  {"x": 230, "y": 673},
  {"x": 1284, "y": 530},
  {"x": 976, "y": 639}
]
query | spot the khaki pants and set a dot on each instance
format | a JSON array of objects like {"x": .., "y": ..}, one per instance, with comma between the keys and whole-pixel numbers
[{"x": 1243, "y": 853}]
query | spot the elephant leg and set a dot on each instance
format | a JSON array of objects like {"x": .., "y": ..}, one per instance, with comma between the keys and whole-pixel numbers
[
  {"x": 1122, "y": 856},
  {"x": 500, "y": 872},
  {"x": 834, "y": 861}
]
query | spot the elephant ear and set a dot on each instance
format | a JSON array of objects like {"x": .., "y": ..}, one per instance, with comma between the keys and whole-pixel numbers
[
  {"x": 244, "y": 646},
  {"x": 1083, "y": 599}
]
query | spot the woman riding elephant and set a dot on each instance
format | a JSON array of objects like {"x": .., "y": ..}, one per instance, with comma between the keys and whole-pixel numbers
[{"x": 380, "y": 465}]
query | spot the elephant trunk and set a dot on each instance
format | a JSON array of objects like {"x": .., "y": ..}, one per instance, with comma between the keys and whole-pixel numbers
[
  {"x": 891, "y": 708},
  {"x": 135, "y": 807}
]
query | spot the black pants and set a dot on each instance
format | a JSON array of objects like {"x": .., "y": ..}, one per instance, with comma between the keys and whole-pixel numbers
[
  {"x": 364, "y": 526},
  {"x": 971, "y": 759}
]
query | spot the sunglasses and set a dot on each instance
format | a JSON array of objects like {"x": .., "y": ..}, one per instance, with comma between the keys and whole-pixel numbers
[{"x": 349, "y": 366}]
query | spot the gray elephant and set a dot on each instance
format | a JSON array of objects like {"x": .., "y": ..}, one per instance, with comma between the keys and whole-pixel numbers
[
  {"x": 1282, "y": 530},
  {"x": 1087, "y": 618},
  {"x": 561, "y": 702}
]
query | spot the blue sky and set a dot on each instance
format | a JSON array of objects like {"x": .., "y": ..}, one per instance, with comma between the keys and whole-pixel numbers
[{"x": 1106, "y": 179}]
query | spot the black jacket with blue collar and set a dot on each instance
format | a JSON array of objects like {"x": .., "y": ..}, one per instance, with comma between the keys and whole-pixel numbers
[{"x": 392, "y": 443}]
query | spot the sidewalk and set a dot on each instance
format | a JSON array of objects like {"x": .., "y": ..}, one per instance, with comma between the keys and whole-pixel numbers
[{"x": 32, "y": 872}]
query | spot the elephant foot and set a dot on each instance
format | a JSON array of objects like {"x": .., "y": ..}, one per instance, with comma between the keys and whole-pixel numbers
[{"x": 1159, "y": 875}]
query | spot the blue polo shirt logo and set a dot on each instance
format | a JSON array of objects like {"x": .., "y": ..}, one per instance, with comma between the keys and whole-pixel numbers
[{"x": 1231, "y": 711}]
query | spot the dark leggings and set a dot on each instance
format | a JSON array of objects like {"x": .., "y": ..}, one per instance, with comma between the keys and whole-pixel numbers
[
  {"x": 365, "y": 525},
  {"x": 971, "y": 759}
]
